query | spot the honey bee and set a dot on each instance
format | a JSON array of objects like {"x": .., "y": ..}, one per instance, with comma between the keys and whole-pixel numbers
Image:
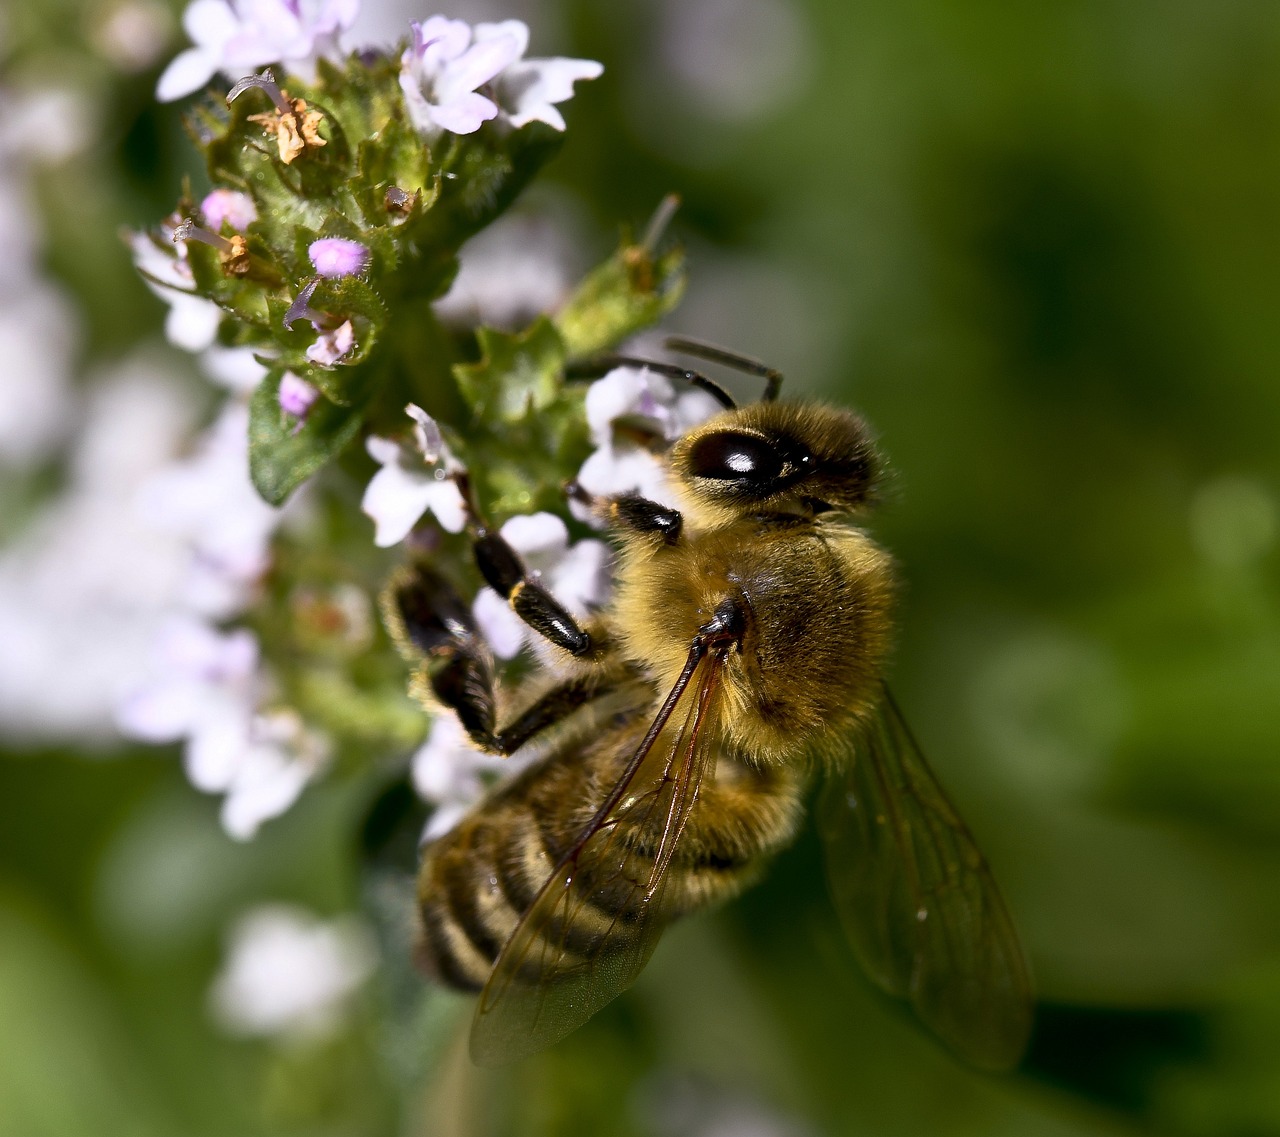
[{"x": 742, "y": 651}]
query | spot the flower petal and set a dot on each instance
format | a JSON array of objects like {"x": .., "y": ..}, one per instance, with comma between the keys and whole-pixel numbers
[
  {"x": 188, "y": 72},
  {"x": 537, "y": 535},
  {"x": 502, "y": 629},
  {"x": 480, "y": 63},
  {"x": 395, "y": 499},
  {"x": 465, "y": 114}
]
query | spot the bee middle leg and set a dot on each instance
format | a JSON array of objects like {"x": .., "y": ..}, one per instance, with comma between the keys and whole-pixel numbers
[{"x": 433, "y": 625}]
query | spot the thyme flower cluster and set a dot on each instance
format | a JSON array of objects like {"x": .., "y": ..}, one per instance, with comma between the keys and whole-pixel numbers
[{"x": 311, "y": 278}]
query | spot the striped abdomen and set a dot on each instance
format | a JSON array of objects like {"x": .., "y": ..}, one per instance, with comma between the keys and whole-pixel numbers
[{"x": 478, "y": 880}]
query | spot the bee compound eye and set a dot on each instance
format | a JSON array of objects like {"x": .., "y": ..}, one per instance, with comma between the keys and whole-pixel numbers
[{"x": 732, "y": 456}]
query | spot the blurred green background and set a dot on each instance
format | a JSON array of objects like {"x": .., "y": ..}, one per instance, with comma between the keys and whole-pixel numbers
[{"x": 1038, "y": 246}]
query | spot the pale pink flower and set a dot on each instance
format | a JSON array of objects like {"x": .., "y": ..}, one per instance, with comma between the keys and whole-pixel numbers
[{"x": 238, "y": 37}]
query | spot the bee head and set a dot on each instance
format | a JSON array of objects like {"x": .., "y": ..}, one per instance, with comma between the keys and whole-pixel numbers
[{"x": 778, "y": 456}]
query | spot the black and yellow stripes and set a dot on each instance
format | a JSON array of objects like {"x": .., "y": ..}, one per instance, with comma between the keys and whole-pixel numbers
[{"x": 479, "y": 880}]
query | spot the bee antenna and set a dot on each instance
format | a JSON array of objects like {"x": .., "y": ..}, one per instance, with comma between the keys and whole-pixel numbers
[
  {"x": 713, "y": 353},
  {"x": 597, "y": 365}
]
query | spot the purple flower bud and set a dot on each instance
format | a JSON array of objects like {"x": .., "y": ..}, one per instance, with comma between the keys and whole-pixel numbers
[
  {"x": 296, "y": 396},
  {"x": 336, "y": 256},
  {"x": 230, "y": 206}
]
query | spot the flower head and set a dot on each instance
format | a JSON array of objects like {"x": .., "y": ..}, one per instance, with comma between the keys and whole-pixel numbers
[
  {"x": 229, "y": 207},
  {"x": 336, "y": 256},
  {"x": 296, "y": 395},
  {"x": 288, "y": 972},
  {"x": 413, "y": 480},
  {"x": 235, "y": 37},
  {"x": 442, "y": 71},
  {"x": 444, "y": 65}
]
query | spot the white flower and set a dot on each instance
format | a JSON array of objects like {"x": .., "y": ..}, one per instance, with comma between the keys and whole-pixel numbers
[
  {"x": 333, "y": 346},
  {"x": 528, "y": 88},
  {"x": 450, "y": 772},
  {"x": 239, "y": 37},
  {"x": 509, "y": 273},
  {"x": 235, "y": 368},
  {"x": 411, "y": 482},
  {"x": 206, "y": 689},
  {"x": 193, "y": 321},
  {"x": 442, "y": 67},
  {"x": 208, "y": 500},
  {"x": 442, "y": 70},
  {"x": 643, "y": 398},
  {"x": 288, "y": 972},
  {"x": 38, "y": 333},
  {"x": 281, "y": 758},
  {"x": 578, "y": 577},
  {"x": 84, "y": 584}
]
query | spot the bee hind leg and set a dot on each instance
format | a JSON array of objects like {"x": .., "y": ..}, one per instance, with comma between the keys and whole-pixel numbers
[{"x": 434, "y": 628}]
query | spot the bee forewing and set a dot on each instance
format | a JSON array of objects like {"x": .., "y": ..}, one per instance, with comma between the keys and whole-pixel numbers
[
  {"x": 595, "y": 923},
  {"x": 918, "y": 902}
]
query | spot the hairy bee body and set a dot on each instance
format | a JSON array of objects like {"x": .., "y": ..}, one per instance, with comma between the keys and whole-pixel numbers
[
  {"x": 815, "y": 592},
  {"x": 672, "y": 745},
  {"x": 478, "y": 879}
]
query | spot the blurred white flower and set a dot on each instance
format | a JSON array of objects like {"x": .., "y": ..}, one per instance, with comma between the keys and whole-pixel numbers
[
  {"x": 288, "y": 972},
  {"x": 238, "y": 37},
  {"x": 516, "y": 269},
  {"x": 204, "y": 689},
  {"x": 235, "y": 368},
  {"x": 192, "y": 322},
  {"x": 85, "y": 585},
  {"x": 650, "y": 405},
  {"x": 413, "y": 480},
  {"x": 577, "y": 576},
  {"x": 132, "y": 34},
  {"x": 207, "y": 689},
  {"x": 448, "y": 61},
  {"x": 735, "y": 59},
  {"x": 45, "y": 124},
  {"x": 450, "y": 772},
  {"x": 208, "y": 501},
  {"x": 38, "y": 334}
]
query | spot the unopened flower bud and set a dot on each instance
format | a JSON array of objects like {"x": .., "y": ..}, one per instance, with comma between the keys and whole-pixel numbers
[
  {"x": 336, "y": 256},
  {"x": 296, "y": 396},
  {"x": 229, "y": 207}
]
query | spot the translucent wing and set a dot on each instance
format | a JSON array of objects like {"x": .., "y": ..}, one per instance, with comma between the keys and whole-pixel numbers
[
  {"x": 917, "y": 899},
  {"x": 594, "y": 924}
]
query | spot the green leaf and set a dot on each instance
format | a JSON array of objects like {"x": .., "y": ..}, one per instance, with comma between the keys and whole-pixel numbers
[
  {"x": 284, "y": 453},
  {"x": 627, "y": 293},
  {"x": 517, "y": 375}
]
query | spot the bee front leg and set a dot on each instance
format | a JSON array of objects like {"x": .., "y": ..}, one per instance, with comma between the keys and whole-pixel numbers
[
  {"x": 504, "y": 572},
  {"x": 632, "y": 512}
]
